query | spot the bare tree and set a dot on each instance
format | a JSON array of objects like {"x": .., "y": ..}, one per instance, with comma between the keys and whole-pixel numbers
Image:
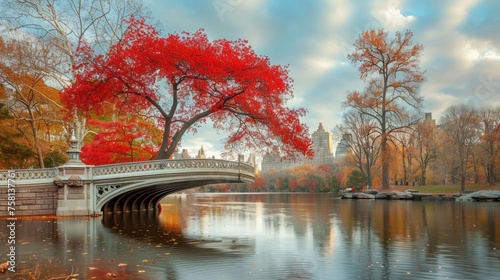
[
  {"x": 64, "y": 26},
  {"x": 391, "y": 70},
  {"x": 360, "y": 136},
  {"x": 405, "y": 144},
  {"x": 426, "y": 146},
  {"x": 461, "y": 126},
  {"x": 489, "y": 119},
  {"x": 34, "y": 105}
]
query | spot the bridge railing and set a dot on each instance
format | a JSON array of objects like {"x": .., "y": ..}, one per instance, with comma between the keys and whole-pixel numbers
[
  {"x": 131, "y": 167},
  {"x": 111, "y": 169},
  {"x": 30, "y": 174}
]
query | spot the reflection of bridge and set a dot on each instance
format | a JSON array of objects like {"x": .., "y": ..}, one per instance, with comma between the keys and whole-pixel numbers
[{"x": 78, "y": 189}]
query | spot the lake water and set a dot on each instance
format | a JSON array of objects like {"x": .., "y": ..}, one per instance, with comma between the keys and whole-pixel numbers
[{"x": 267, "y": 236}]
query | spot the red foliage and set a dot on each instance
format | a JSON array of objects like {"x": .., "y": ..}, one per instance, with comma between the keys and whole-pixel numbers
[
  {"x": 119, "y": 142},
  {"x": 259, "y": 184},
  {"x": 187, "y": 78}
]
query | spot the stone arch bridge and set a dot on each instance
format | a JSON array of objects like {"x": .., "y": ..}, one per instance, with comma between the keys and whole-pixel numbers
[{"x": 78, "y": 189}]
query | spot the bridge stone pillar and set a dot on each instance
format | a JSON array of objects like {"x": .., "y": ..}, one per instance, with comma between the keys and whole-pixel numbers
[{"x": 74, "y": 182}]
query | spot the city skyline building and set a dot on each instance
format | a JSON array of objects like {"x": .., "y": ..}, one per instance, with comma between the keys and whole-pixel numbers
[
  {"x": 322, "y": 144},
  {"x": 343, "y": 147}
]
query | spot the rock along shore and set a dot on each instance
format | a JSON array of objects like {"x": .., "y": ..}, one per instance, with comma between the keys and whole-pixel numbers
[{"x": 416, "y": 195}]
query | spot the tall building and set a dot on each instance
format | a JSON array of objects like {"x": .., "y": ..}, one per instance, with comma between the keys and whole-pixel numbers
[
  {"x": 343, "y": 146},
  {"x": 183, "y": 155},
  {"x": 322, "y": 146},
  {"x": 201, "y": 153},
  {"x": 429, "y": 120},
  {"x": 272, "y": 160}
]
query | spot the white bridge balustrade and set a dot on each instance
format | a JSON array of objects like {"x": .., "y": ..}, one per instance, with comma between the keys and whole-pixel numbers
[{"x": 78, "y": 189}]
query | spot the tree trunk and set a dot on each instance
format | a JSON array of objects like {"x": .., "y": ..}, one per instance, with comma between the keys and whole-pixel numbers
[
  {"x": 385, "y": 162},
  {"x": 491, "y": 168},
  {"x": 491, "y": 164},
  {"x": 424, "y": 174},
  {"x": 40, "y": 157},
  {"x": 463, "y": 169},
  {"x": 162, "y": 153},
  {"x": 403, "y": 157},
  {"x": 368, "y": 175}
]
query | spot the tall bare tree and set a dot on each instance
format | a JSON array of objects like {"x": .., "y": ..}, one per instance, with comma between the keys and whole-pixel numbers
[
  {"x": 390, "y": 67},
  {"x": 65, "y": 26},
  {"x": 462, "y": 128}
]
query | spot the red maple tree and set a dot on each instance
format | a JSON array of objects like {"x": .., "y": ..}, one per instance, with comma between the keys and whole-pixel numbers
[
  {"x": 185, "y": 80},
  {"x": 119, "y": 141}
]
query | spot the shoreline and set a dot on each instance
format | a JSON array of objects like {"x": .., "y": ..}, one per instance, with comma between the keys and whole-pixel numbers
[{"x": 416, "y": 195}]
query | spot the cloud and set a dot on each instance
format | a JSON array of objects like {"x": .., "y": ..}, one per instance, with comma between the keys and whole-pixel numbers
[{"x": 461, "y": 46}]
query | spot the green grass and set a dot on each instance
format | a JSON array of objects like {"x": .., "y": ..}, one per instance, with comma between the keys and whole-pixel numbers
[{"x": 453, "y": 188}]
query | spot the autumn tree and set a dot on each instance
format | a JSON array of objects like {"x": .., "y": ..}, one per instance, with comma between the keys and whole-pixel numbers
[
  {"x": 186, "y": 79},
  {"x": 489, "y": 119},
  {"x": 461, "y": 126},
  {"x": 34, "y": 105},
  {"x": 14, "y": 153},
  {"x": 124, "y": 140},
  {"x": 63, "y": 26},
  {"x": 404, "y": 142},
  {"x": 426, "y": 146},
  {"x": 405, "y": 145},
  {"x": 361, "y": 136},
  {"x": 390, "y": 68}
]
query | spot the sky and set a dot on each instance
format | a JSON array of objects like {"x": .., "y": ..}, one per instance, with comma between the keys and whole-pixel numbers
[{"x": 461, "y": 40}]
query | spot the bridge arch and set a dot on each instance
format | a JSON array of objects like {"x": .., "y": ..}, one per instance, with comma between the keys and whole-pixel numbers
[{"x": 141, "y": 191}]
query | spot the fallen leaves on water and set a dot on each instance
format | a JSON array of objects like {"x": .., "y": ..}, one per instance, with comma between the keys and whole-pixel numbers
[
  {"x": 141, "y": 270},
  {"x": 122, "y": 264}
]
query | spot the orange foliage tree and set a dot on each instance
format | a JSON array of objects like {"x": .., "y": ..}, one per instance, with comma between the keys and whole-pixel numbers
[
  {"x": 34, "y": 105},
  {"x": 426, "y": 146},
  {"x": 183, "y": 80},
  {"x": 391, "y": 69},
  {"x": 461, "y": 125},
  {"x": 489, "y": 119},
  {"x": 14, "y": 152}
]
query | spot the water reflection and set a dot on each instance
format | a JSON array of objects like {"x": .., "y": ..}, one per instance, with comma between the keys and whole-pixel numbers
[{"x": 270, "y": 236}]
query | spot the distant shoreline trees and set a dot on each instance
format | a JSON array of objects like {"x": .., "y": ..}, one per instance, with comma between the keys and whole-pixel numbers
[{"x": 463, "y": 147}]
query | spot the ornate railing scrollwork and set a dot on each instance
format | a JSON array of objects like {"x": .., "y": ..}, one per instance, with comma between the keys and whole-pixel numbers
[
  {"x": 105, "y": 189},
  {"x": 170, "y": 164},
  {"x": 30, "y": 174}
]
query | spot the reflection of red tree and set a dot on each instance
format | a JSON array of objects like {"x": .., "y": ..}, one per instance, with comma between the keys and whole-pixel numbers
[{"x": 172, "y": 217}]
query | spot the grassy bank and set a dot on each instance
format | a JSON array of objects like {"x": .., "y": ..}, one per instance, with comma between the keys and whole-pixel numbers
[{"x": 447, "y": 189}]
